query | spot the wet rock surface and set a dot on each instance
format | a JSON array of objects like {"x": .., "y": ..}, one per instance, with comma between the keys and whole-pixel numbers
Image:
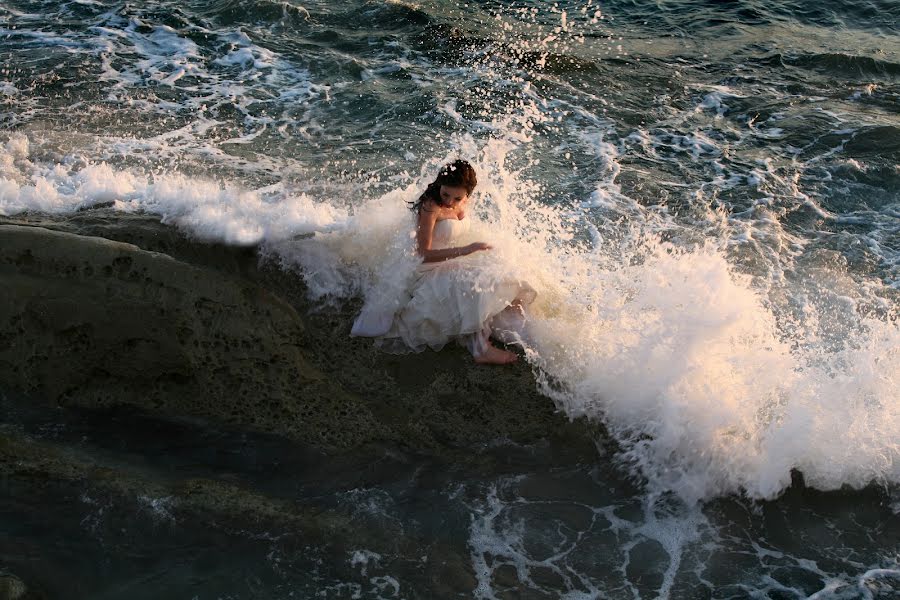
[
  {"x": 12, "y": 588},
  {"x": 98, "y": 313},
  {"x": 159, "y": 391},
  {"x": 122, "y": 486},
  {"x": 176, "y": 416},
  {"x": 93, "y": 322}
]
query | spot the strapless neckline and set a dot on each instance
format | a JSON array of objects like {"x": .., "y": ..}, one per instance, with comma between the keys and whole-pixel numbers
[{"x": 447, "y": 230}]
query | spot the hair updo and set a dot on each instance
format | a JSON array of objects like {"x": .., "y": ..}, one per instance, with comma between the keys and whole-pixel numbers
[{"x": 458, "y": 173}]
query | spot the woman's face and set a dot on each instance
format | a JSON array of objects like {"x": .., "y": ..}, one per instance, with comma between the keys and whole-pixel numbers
[{"x": 453, "y": 196}]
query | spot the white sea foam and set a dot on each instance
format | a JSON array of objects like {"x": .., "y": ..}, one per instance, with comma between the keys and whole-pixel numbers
[
  {"x": 710, "y": 384},
  {"x": 160, "y": 508},
  {"x": 206, "y": 208},
  {"x": 503, "y": 535},
  {"x": 362, "y": 558},
  {"x": 713, "y": 383},
  {"x": 686, "y": 363}
]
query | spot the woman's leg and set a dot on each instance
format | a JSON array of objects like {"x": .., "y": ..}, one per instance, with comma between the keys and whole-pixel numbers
[
  {"x": 508, "y": 326},
  {"x": 479, "y": 345}
]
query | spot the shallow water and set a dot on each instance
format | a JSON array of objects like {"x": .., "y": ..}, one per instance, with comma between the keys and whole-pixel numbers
[
  {"x": 706, "y": 195},
  {"x": 510, "y": 521}
]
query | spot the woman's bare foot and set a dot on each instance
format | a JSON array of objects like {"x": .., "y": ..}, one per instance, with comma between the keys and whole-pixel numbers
[{"x": 495, "y": 356}]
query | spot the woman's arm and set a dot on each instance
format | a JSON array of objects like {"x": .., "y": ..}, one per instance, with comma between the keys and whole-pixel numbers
[
  {"x": 448, "y": 253},
  {"x": 424, "y": 233}
]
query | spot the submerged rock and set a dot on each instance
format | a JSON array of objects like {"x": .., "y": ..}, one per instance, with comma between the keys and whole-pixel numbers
[{"x": 12, "y": 588}]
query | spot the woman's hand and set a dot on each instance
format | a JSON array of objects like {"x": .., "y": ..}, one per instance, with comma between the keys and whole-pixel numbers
[{"x": 476, "y": 247}]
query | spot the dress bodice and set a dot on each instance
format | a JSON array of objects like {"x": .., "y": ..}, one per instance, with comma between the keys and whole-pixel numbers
[{"x": 447, "y": 232}]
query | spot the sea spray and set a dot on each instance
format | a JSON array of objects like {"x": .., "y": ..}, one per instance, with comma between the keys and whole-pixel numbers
[
  {"x": 694, "y": 370},
  {"x": 710, "y": 386},
  {"x": 709, "y": 216},
  {"x": 675, "y": 351}
]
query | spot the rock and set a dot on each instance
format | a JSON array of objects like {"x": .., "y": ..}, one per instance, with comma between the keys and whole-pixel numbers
[
  {"x": 124, "y": 313},
  {"x": 205, "y": 330},
  {"x": 11, "y": 587},
  {"x": 92, "y": 322},
  {"x": 24, "y": 458}
]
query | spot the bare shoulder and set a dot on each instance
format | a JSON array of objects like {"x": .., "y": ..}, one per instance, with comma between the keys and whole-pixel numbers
[{"x": 428, "y": 214}]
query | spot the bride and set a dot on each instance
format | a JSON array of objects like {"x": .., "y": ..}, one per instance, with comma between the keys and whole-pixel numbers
[{"x": 459, "y": 292}]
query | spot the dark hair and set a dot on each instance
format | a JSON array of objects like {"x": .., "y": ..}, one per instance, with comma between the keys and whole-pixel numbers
[{"x": 459, "y": 173}]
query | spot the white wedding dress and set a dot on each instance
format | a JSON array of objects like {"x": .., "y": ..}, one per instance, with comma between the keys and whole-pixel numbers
[{"x": 465, "y": 299}]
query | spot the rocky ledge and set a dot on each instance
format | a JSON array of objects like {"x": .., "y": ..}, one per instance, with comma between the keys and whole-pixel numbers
[{"x": 102, "y": 310}]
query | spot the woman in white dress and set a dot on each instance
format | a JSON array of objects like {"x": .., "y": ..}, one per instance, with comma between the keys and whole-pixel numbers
[{"x": 459, "y": 292}]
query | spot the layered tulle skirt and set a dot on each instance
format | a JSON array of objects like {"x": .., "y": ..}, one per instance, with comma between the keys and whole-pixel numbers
[{"x": 446, "y": 301}]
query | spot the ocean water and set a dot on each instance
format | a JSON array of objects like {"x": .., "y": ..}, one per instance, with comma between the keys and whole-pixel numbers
[{"x": 706, "y": 196}]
